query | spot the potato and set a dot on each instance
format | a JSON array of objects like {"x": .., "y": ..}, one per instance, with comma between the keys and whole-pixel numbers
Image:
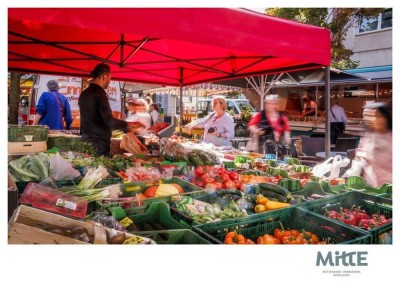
[
  {"x": 117, "y": 239},
  {"x": 79, "y": 230}
]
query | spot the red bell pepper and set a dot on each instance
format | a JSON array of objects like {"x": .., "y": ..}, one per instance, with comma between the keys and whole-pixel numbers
[{"x": 347, "y": 218}]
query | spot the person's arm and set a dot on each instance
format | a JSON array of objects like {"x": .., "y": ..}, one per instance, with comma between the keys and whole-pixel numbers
[
  {"x": 40, "y": 108},
  {"x": 252, "y": 125},
  {"x": 229, "y": 128},
  {"x": 106, "y": 115},
  {"x": 313, "y": 105},
  {"x": 199, "y": 123},
  {"x": 37, "y": 119},
  {"x": 344, "y": 116},
  {"x": 286, "y": 130},
  {"x": 67, "y": 115}
]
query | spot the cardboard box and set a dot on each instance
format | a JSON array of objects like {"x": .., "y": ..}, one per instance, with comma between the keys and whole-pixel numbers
[
  {"x": 27, "y": 147},
  {"x": 28, "y": 225}
]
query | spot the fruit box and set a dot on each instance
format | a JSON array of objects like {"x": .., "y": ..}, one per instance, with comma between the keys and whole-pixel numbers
[
  {"x": 53, "y": 200},
  {"x": 291, "y": 218},
  {"x": 370, "y": 203},
  {"x": 28, "y": 226},
  {"x": 130, "y": 190},
  {"x": 176, "y": 237}
]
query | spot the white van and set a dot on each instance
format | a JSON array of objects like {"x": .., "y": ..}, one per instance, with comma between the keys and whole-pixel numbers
[{"x": 235, "y": 106}]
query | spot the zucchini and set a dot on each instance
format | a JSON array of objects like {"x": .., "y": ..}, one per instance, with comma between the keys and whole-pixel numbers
[
  {"x": 273, "y": 195},
  {"x": 275, "y": 188}
]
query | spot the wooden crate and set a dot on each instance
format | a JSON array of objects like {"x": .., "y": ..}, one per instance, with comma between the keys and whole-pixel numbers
[
  {"x": 27, "y": 147},
  {"x": 28, "y": 224}
]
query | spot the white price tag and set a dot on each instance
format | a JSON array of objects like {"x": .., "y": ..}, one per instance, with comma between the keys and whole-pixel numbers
[{"x": 66, "y": 204}]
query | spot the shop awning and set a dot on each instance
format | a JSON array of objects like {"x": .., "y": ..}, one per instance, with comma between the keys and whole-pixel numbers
[{"x": 166, "y": 46}]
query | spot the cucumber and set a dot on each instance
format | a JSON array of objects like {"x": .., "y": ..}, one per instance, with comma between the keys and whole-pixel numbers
[
  {"x": 275, "y": 188},
  {"x": 274, "y": 195}
]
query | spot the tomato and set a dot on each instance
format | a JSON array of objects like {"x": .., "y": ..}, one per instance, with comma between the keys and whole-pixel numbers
[
  {"x": 204, "y": 177},
  {"x": 237, "y": 184},
  {"x": 334, "y": 182},
  {"x": 233, "y": 175},
  {"x": 208, "y": 180},
  {"x": 199, "y": 171},
  {"x": 218, "y": 185},
  {"x": 225, "y": 178},
  {"x": 229, "y": 185},
  {"x": 221, "y": 171},
  {"x": 207, "y": 168},
  {"x": 199, "y": 183}
]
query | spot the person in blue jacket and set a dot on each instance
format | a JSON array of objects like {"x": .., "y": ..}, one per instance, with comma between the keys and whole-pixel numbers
[{"x": 53, "y": 109}]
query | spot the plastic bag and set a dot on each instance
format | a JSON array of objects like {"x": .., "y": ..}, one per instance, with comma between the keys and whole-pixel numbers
[
  {"x": 62, "y": 169},
  {"x": 337, "y": 163},
  {"x": 356, "y": 168},
  {"x": 108, "y": 221},
  {"x": 321, "y": 169},
  {"x": 252, "y": 144}
]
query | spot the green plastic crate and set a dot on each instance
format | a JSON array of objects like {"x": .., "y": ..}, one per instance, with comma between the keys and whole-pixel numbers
[
  {"x": 175, "y": 237},
  {"x": 372, "y": 204},
  {"x": 208, "y": 198},
  {"x": 358, "y": 184},
  {"x": 309, "y": 189},
  {"x": 114, "y": 178},
  {"x": 292, "y": 185},
  {"x": 333, "y": 189},
  {"x": 291, "y": 161},
  {"x": 292, "y": 218},
  {"x": 278, "y": 172},
  {"x": 62, "y": 143},
  {"x": 27, "y": 133},
  {"x": 155, "y": 213},
  {"x": 132, "y": 189}
]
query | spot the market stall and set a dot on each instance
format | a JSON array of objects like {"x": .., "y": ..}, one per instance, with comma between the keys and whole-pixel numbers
[
  {"x": 188, "y": 194},
  {"x": 167, "y": 198}
]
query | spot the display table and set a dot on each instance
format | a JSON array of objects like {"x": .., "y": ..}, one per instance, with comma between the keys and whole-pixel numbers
[
  {"x": 333, "y": 154},
  {"x": 197, "y": 133},
  {"x": 236, "y": 142}
]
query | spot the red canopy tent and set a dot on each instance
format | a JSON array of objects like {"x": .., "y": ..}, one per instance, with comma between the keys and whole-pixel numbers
[{"x": 168, "y": 46}]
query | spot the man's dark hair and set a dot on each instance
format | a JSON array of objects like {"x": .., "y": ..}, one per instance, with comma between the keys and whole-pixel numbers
[
  {"x": 99, "y": 70},
  {"x": 155, "y": 106}
]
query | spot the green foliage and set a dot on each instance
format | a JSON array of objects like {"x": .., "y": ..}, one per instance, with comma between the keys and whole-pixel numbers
[
  {"x": 343, "y": 19},
  {"x": 245, "y": 116},
  {"x": 84, "y": 147},
  {"x": 233, "y": 94}
]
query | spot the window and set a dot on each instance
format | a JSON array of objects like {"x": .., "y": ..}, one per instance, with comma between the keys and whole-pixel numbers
[
  {"x": 231, "y": 106},
  {"x": 384, "y": 21},
  {"x": 244, "y": 105}
]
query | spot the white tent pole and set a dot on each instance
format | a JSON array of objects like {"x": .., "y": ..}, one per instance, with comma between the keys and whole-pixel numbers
[
  {"x": 327, "y": 117},
  {"x": 181, "y": 100}
]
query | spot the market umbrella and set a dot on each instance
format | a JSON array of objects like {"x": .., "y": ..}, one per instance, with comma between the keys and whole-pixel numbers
[{"x": 167, "y": 46}]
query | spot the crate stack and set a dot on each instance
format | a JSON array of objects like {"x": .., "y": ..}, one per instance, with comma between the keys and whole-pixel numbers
[{"x": 27, "y": 139}]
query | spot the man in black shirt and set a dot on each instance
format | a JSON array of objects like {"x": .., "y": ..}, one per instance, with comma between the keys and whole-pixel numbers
[{"x": 97, "y": 121}]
